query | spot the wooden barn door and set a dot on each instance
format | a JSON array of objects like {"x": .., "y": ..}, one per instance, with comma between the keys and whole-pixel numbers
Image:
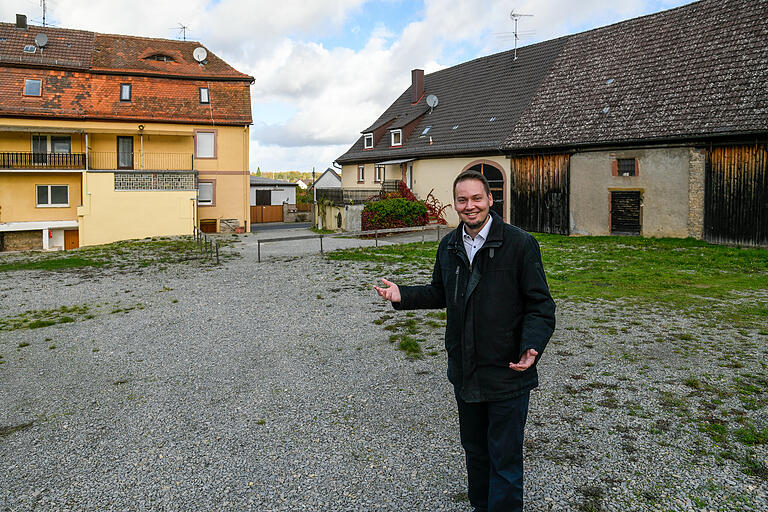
[
  {"x": 539, "y": 193},
  {"x": 736, "y": 195}
]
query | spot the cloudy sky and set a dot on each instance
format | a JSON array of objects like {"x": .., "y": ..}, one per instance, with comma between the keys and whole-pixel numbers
[{"x": 326, "y": 69}]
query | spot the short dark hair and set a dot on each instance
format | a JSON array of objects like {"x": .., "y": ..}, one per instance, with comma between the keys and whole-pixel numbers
[{"x": 471, "y": 174}]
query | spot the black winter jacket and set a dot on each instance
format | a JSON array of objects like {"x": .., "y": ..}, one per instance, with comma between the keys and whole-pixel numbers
[{"x": 497, "y": 308}]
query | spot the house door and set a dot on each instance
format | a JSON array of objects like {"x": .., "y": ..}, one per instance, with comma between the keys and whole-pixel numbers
[
  {"x": 125, "y": 152},
  {"x": 71, "y": 239},
  {"x": 496, "y": 182},
  {"x": 625, "y": 213}
]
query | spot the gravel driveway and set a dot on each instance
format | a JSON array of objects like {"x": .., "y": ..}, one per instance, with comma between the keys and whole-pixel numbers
[{"x": 274, "y": 386}]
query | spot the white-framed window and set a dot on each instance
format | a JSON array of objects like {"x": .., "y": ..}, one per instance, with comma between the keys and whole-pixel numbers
[
  {"x": 397, "y": 137},
  {"x": 33, "y": 87},
  {"x": 378, "y": 175},
  {"x": 360, "y": 173},
  {"x": 368, "y": 141},
  {"x": 125, "y": 92},
  {"x": 205, "y": 144},
  {"x": 205, "y": 194},
  {"x": 52, "y": 196},
  {"x": 205, "y": 96}
]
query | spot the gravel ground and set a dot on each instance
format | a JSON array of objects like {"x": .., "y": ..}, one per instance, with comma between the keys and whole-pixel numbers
[{"x": 274, "y": 386}]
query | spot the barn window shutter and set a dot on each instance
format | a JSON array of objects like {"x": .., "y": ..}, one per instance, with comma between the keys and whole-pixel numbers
[{"x": 614, "y": 167}]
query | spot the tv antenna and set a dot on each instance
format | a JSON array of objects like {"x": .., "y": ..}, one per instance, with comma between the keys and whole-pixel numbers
[
  {"x": 42, "y": 5},
  {"x": 514, "y": 16},
  {"x": 182, "y": 31}
]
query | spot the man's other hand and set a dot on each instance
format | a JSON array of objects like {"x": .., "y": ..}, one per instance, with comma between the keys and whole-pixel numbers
[
  {"x": 392, "y": 293},
  {"x": 526, "y": 360}
]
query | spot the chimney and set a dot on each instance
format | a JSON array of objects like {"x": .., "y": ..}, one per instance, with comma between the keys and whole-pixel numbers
[
  {"x": 417, "y": 84},
  {"x": 21, "y": 21}
]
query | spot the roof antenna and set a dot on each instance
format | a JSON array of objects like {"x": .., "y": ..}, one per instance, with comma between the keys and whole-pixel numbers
[
  {"x": 42, "y": 4},
  {"x": 182, "y": 31},
  {"x": 516, "y": 16}
]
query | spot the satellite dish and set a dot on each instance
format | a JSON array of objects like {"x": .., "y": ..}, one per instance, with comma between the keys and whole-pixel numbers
[
  {"x": 432, "y": 101},
  {"x": 200, "y": 54},
  {"x": 41, "y": 40}
]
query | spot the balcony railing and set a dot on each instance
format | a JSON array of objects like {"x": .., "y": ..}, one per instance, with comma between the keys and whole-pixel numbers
[
  {"x": 97, "y": 160},
  {"x": 25, "y": 160},
  {"x": 342, "y": 196},
  {"x": 138, "y": 161}
]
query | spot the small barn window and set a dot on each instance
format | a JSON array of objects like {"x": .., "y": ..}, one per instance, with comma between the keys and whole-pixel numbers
[
  {"x": 624, "y": 167},
  {"x": 161, "y": 57},
  {"x": 204, "y": 95}
]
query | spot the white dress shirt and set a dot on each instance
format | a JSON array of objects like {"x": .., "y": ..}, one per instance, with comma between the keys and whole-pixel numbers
[{"x": 472, "y": 245}]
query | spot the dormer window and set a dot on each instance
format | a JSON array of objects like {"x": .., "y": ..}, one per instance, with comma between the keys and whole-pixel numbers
[
  {"x": 397, "y": 138},
  {"x": 368, "y": 141},
  {"x": 161, "y": 57},
  {"x": 204, "y": 95},
  {"x": 125, "y": 92}
]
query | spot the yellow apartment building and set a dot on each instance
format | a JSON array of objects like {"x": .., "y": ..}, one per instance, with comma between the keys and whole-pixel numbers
[{"x": 106, "y": 138}]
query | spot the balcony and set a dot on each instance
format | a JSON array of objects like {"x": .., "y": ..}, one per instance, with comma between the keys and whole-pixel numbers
[
  {"x": 42, "y": 161},
  {"x": 96, "y": 160},
  {"x": 140, "y": 162}
]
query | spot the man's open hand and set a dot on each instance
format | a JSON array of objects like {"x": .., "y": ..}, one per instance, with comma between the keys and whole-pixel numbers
[
  {"x": 526, "y": 360},
  {"x": 391, "y": 294}
]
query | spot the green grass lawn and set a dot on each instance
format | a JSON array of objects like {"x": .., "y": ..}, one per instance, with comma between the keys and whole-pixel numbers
[
  {"x": 126, "y": 254},
  {"x": 726, "y": 284}
]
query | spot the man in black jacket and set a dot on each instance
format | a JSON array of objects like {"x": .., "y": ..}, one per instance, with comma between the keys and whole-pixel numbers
[{"x": 500, "y": 316}]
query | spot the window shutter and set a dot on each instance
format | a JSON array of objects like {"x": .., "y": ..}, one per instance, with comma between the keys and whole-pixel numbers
[{"x": 614, "y": 167}]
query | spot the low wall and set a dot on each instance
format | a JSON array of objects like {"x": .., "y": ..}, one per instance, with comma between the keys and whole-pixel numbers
[
  {"x": 292, "y": 214},
  {"x": 21, "y": 240}
]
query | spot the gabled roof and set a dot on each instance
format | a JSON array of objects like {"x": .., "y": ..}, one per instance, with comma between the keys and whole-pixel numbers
[
  {"x": 81, "y": 73},
  {"x": 695, "y": 71},
  {"x": 330, "y": 171},
  {"x": 481, "y": 98}
]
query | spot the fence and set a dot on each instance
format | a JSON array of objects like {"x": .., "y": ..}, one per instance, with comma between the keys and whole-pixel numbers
[
  {"x": 27, "y": 160},
  {"x": 208, "y": 247},
  {"x": 374, "y": 232},
  {"x": 343, "y": 196}
]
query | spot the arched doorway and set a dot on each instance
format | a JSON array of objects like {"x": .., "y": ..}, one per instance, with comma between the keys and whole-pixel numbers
[{"x": 496, "y": 181}]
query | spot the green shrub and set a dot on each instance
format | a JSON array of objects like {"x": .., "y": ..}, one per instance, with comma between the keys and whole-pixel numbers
[{"x": 394, "y": 213}]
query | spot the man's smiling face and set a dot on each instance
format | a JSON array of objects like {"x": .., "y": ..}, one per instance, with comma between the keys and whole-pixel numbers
[{"x": 472, "y": 203}]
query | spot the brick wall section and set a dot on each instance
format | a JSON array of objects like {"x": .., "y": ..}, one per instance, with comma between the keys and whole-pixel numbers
[
  {"x": 22, "y": 240},
  {"x": 696, "y": 177}
]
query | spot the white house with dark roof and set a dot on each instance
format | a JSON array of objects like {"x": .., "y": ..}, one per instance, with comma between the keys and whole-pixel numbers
[{"x": 655, "y": 126}]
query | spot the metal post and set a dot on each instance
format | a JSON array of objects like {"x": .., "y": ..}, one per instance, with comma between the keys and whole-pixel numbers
[
  {"x": 376, "y": 236},
  {"x": 422, "y": 234},
  {"x": 217, "y": 253},
  {"x": 321, "y": 245},
  {"x": 438, "y": 232},
  {"x": 258, "y": 250}
]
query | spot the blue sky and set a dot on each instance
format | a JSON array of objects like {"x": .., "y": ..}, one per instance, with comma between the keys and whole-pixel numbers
[{"x": 325, "y": 69}]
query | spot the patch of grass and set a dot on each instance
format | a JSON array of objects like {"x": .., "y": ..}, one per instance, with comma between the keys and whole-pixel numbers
[
  {"x": 410, "y": 346},
  {"x": 119, "y": 255},
  {"x": 717, "y": 282},
  {"x": 5, "y": 431},
  {"x": 751, "y": 436},
  {"x": 36, "y": 319}
]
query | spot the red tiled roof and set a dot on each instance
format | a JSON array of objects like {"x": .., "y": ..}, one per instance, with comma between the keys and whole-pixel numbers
[
  {"x": 82, "y": 71},
  {"x": 130, "y": 54},
  {"x": 79, "y": 95}
]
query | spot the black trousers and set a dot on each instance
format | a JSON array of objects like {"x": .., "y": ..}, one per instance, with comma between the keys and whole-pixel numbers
[{"x": 492, "y": 437}]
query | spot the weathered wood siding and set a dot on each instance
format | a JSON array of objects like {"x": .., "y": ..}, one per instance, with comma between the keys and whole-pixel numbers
[
  {"x": 736, "y": 195},
  {"x": 539, "y": 193}
]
